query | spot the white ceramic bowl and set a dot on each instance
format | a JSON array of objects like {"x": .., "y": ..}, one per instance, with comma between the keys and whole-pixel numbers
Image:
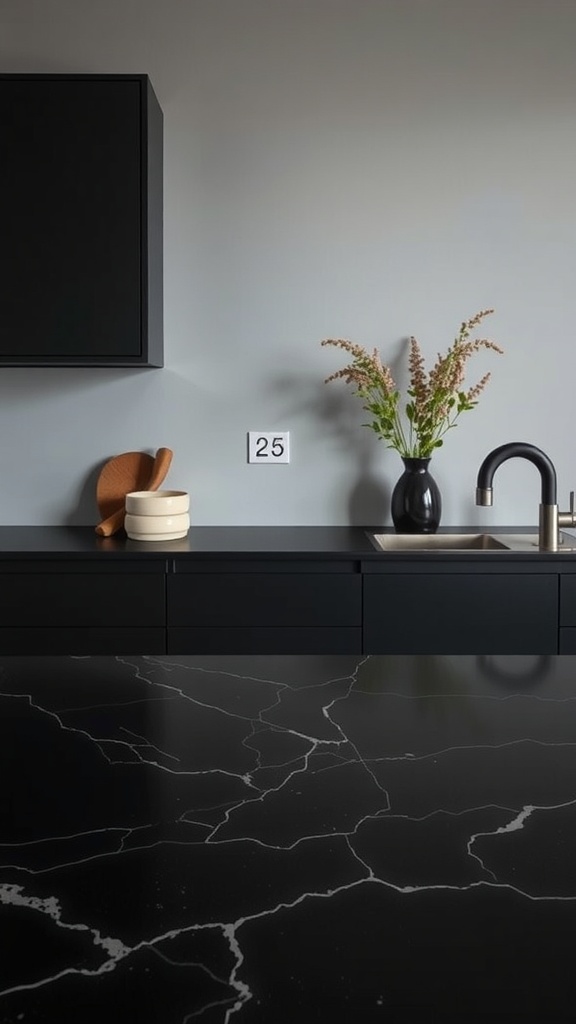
[
  {"x": 156, "y": 527},
  {"x": 157, "y": 503}
]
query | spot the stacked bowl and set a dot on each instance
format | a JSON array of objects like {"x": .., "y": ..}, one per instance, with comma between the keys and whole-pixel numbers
[{"x": 157, "y": 515}]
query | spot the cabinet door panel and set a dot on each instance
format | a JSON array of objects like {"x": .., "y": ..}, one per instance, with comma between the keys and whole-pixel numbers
[
  {"x": 86, "y": 600},
  {"x": 448, "y": 613},
  {"x": 247, "y": 640},
  {"x": 567, "y": 642},
  {"x": 79, "y": 268},
  {"x": 41, "y": 641},
  {"x": 568, "y": 600},
  {"x": 264, "y": 600}
]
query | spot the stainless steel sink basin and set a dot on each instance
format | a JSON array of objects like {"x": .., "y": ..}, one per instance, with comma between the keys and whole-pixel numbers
[{"x": 437, "y": 542}]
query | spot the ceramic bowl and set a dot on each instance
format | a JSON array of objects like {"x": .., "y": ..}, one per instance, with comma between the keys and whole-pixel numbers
[
  {"x": 157, "y": 503},
  {"x": 156, "y": 527}
]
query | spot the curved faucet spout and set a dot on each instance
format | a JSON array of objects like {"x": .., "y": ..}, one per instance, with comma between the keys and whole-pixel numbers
[
  {"x": 549, "y": 517},
  {"x": 516, "y": 449}
]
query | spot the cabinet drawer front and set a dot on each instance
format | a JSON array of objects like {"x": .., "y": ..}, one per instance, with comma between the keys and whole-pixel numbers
[
  {"x": 318, "y": 640},
  {"x": 39, "y": 641},
  {"x": 265, "y": 600},
  {"x": 82, "y": 600},
  {"x": 457, "y": 614}
]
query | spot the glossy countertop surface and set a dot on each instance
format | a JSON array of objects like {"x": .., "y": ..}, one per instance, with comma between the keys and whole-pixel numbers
[
  {"x": 240, "y": 542},
  {"x": 201, "y": 540},
  {"x": 272, "y": 840}
]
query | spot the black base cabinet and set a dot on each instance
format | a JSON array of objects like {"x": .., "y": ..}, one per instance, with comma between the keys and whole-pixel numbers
[
  {"x": 113, "y": 600},
  {"x": 456, "y": 613},
  {"x": 256, "y": 612}
]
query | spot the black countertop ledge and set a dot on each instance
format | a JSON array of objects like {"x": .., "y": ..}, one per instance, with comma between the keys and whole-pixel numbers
[{"x": 243, "y": 542}]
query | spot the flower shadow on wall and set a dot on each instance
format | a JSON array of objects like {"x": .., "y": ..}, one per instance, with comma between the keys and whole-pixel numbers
[
  {"x": 331, "y": 414},
  {"x": 369, "y": 494}
]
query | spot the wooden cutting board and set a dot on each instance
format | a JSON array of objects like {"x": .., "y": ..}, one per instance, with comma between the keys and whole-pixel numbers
[{"x": 130, "y": 471}]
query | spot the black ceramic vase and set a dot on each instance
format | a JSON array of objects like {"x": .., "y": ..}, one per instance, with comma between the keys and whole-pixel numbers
[{"x": 416, "y": 499}]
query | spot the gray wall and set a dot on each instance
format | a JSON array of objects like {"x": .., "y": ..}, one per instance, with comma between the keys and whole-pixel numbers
[{"x": 355, "y": 168}]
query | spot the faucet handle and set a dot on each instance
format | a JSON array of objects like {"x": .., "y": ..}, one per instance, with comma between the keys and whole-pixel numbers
[{"x": 568, "y": 518}]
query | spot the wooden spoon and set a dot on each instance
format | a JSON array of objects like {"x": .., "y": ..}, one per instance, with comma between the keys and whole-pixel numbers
[
  {"x": 120, "y": 476},
  {"x": 160, "y": 469}
]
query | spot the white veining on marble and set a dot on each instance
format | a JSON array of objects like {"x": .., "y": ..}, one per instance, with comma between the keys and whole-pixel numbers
[
  {"x": 13, "y": 895},
  {"x": 347, "y": 754}
]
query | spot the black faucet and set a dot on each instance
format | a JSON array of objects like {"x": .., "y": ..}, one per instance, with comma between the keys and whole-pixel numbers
[{"x": 549, "y": 518}]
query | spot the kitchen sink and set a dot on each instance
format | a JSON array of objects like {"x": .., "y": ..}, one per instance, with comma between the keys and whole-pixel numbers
[
  {"x": 525, "y": 543},
  {"x": 436, "y": 542}
]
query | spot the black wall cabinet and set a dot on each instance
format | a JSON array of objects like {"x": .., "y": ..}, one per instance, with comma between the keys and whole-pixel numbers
[{"x": 81, "y": 215}]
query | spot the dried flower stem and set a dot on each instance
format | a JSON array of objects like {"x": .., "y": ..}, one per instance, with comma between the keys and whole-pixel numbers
[{"x": 435, "y": 399}]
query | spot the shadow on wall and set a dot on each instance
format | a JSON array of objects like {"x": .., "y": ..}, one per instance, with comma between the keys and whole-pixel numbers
[
  {"x": 84, "y": 512},
  {"x": 369, "y": 501},
  {"x": 43, "y": 392},
  {"x": 336, "y": 417}
]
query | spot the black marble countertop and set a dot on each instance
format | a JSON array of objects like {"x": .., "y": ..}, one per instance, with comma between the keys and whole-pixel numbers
[
  {"x": 272, "y": 840},
  {"x": 243, "y": 542}
]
